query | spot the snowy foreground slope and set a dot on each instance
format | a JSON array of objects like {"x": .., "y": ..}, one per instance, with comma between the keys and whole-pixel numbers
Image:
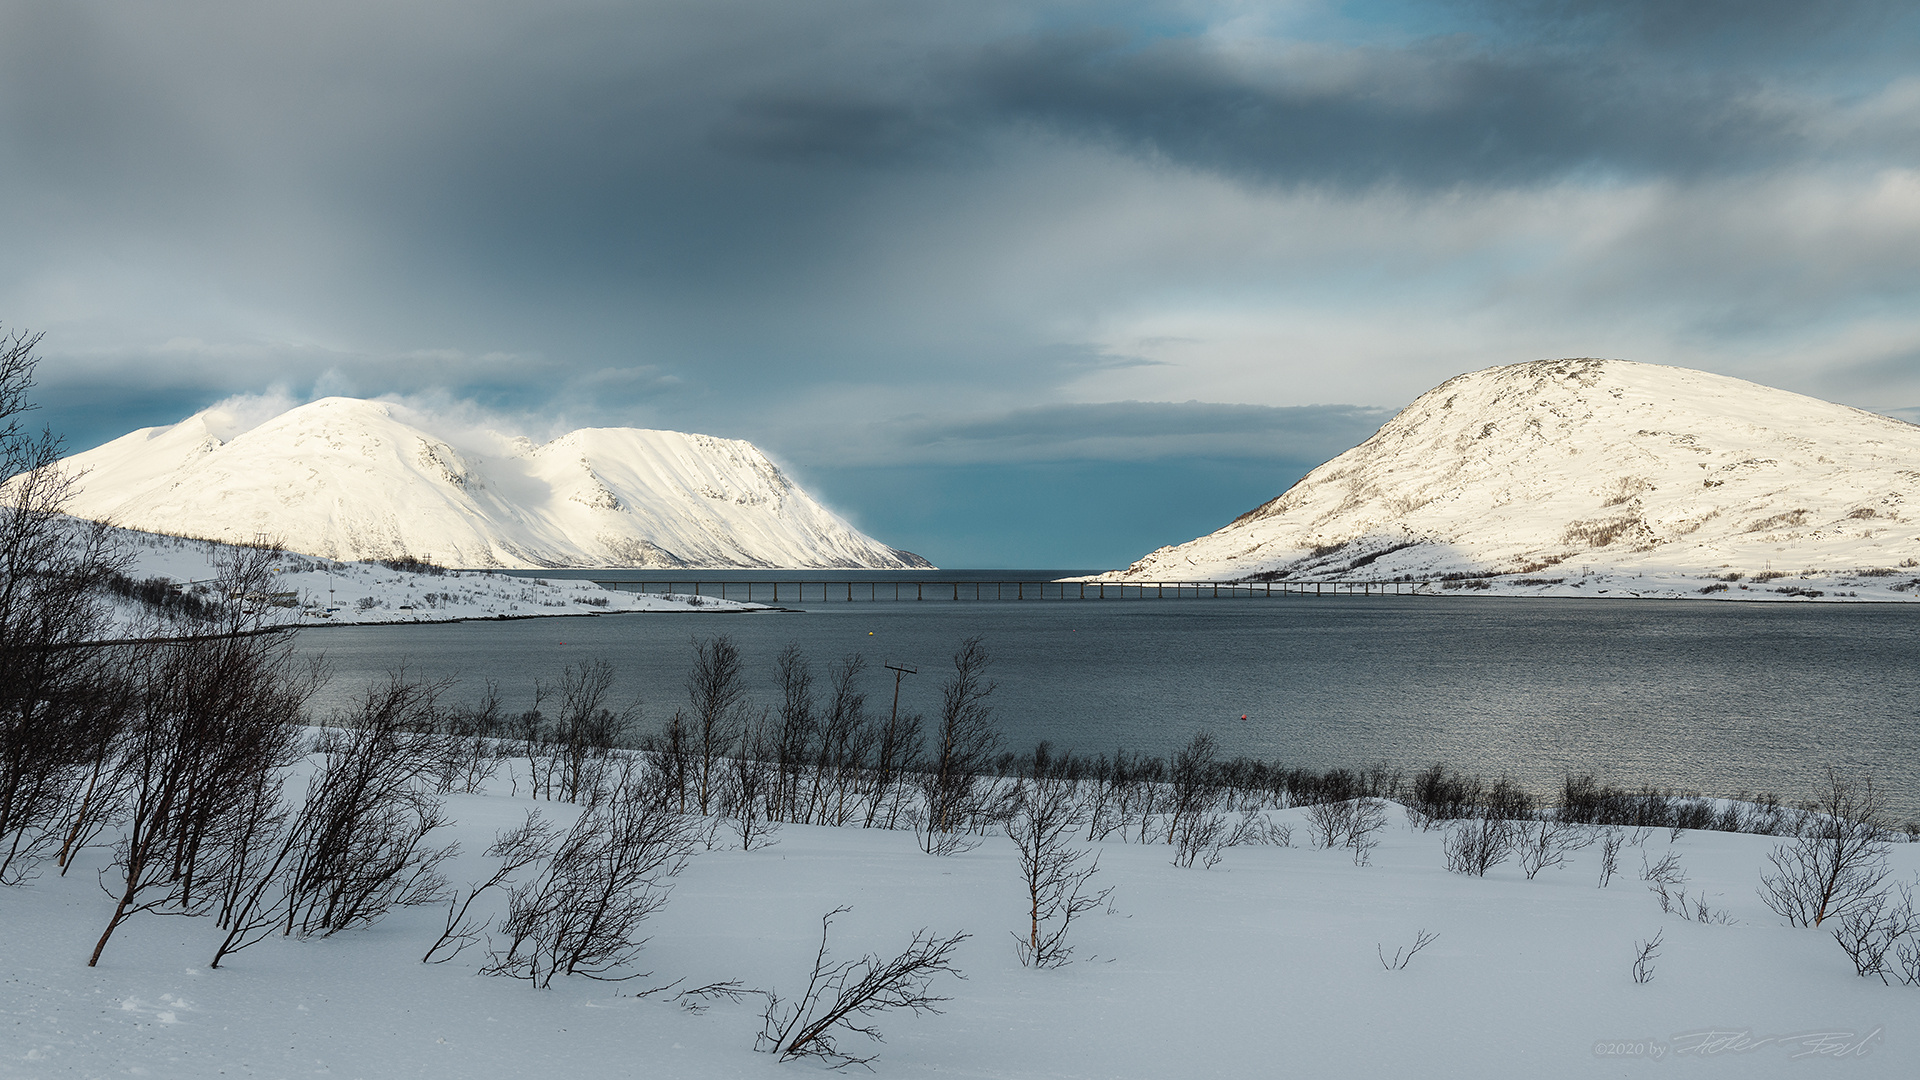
[
  {"x": 1263, "y": 966},
  {"x": 351, "y": 479},
  {"x": 314, "y": 591},
  {"x": 1584, "y": 477}
]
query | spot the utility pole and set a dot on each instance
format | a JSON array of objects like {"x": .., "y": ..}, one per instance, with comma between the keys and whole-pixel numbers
[{"x": 900, "y": 671}]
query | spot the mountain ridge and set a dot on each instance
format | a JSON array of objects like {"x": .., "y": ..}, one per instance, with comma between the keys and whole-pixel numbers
[
  {"x": 346, "y": 478},
  {"x": 1622, "y": 469}
]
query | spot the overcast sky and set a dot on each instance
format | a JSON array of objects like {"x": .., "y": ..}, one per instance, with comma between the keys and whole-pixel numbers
[{"x": 1005, "y": 283}]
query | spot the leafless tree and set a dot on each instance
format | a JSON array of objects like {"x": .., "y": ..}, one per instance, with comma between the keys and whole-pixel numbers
[
  {"x": 361, "y": 835},
  {"x": 840, "y": 996},
  {"x": 253, "y": 884},
  {"x": 1045, "y": 816},
  {"x": 964, "y": 743},
  {"x": 580, "y": 915},
  {"x": 1143, "y": 797},
  {"x": 717, "y": 694},
  {"x": 59, "y": 707},
  {"x": 587, "y": 729},
  {"x": 797, "y": 728},
  {"x": 529, "y": 731},
  {"x": 1837, "y": 862},
  {"x": 516, "y": 848},
  {"x": 752, "y": 798},
  {"x": 1106, "y": 787},
  {"x": 1192, "y": 790},
  {"x": 1200, "y": 837},
  {"x": 472, "y": 737},
  {"x": 216, "y": 722},
  {"x": 356, "y": 845},
  {"x": 846, "y": 738},
  {"x": 670, "y": 757}
]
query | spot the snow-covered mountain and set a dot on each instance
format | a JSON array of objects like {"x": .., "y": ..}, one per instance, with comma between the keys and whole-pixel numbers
[
  {"x": 350, "y": 479},
  {"x": 1594, "y": 475}
]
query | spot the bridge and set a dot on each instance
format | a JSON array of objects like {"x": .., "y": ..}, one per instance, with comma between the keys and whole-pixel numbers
[{"x": 773, "y": 591}]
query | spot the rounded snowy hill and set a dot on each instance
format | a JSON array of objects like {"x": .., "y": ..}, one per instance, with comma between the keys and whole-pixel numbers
[
  {"x": 352, "y": 479},
  {"x": 1540, "y": 473}
]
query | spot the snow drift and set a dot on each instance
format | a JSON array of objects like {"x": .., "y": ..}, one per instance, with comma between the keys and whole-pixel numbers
[
  {"x": 350, "y": 479},
  {"x": 1597, "y": 471}
]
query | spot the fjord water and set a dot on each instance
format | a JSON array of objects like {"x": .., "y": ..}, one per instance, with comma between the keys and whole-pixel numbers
[{"x": 1715, "y": 697}]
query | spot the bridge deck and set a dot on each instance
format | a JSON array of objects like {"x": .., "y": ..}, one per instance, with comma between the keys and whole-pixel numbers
[{"x": 773, "y": 591}]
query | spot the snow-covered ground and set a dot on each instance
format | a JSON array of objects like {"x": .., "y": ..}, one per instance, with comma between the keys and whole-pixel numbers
[
  {"x": 1263, "y": 966},
  {"x": 352, "y": 479},
  {"x": 1586, "y": 477},
  {"x": 319, "y": 592}
]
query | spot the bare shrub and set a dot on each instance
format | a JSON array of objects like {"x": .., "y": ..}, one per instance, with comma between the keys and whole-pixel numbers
[
  {"x": 1255, "y": 827},
  {"x": 1881, "y": 935},
  {"x": 586, "y": 731},
  {"x": 579, "y": 916},
  {"x": 1667, "y": 871},
  {"x": 840, "y": 996},
  {"x": 1836, "y": 863},
  {"x": 214, "y": 726},
  {"x": 1477, "y": 845},
  {"x": 361, "y": 835},
  {"x": 469, "y": 750},
  {"x": 1508, "y": 801},
  {"x": 59, "y": 706},
  {"x": 1327, "y": 823},
  {"x": 1046, "y": 813},
  {"x": 1610, "y": 842},
  {"x": 1404, "y": 956},
  {"x": 1667, "y": 880},
  {"x": 1204, "y": 838},
  {"x": 516, "y": 848},
  {"x": 1675, "y": 901},
  {"x": 1439, "y": 794},
  {"x": 1352, "y": 824},
  {"x": 717, "y": 696},
  {"x": 752, "y": 795},
  {"x": 793, "y": 735},
  {"x": 1200, "y": 837},
  {"x": 1547, "y": 842},
  {"x": 1192, "y": 793},
  {"x": 1645, "y": 954},
  {"x": 964, "y": 743},
  {"x": 845, "y": 745}
]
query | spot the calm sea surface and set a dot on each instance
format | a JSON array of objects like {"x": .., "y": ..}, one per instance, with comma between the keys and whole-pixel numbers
[{"x": 1716, "y": 697}]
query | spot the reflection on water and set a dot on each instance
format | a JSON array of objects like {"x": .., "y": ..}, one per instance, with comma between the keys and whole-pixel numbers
[{"x": 1718, "y": 697}]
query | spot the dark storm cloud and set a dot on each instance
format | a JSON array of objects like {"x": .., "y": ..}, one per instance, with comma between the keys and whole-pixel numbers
[
  {"x": 1734, "y": 31},
  {"x": 844, "y": 227},
  {"x": 1131, "y": 431},
  {"x": 1635, "y": 90},
  {"x": 667, "y": 146}
]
